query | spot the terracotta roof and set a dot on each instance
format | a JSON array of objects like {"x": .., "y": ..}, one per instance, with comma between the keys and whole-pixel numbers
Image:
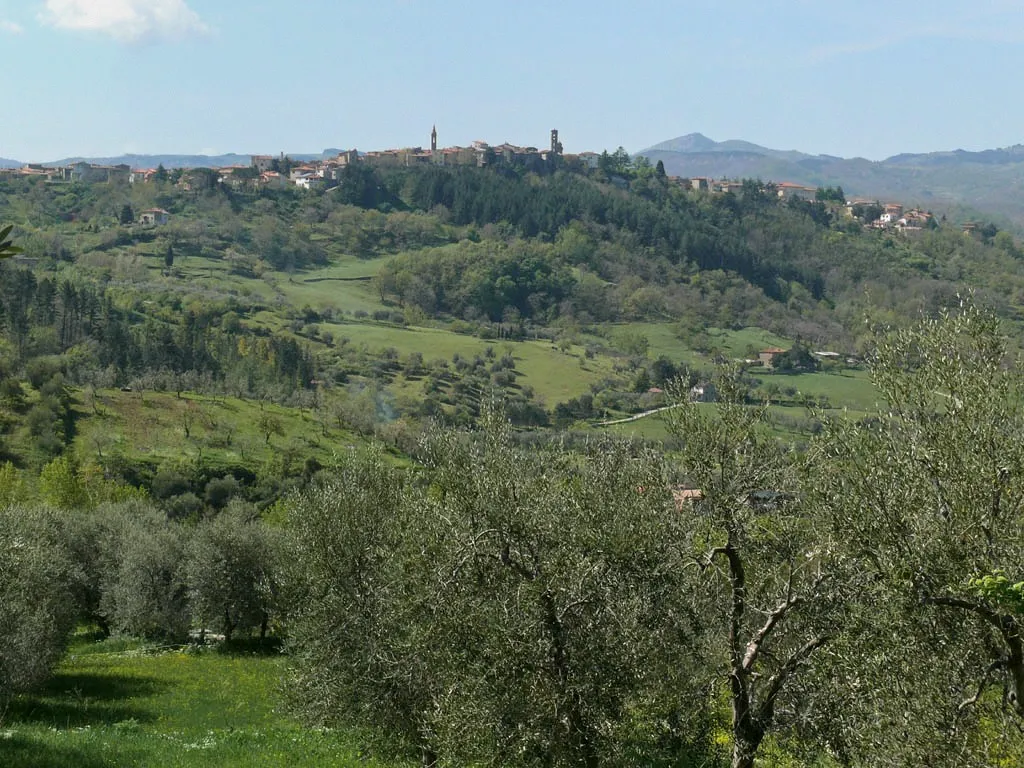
[{"x": 682, "y": 495}]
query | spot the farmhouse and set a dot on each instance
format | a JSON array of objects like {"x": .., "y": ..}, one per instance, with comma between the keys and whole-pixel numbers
[
  {"x": 767, "y": 356},
  {"x": 154, "y": 217}
]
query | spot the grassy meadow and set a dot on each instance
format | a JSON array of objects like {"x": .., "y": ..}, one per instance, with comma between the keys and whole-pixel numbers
[{"x": 118, "y": 703}]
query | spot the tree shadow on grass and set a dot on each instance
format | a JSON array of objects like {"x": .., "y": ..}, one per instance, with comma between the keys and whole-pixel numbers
[
  {"x": 270, "y": 646},
  {"x": 28, "y": 753},
  {"x": 76, "y": 699}
]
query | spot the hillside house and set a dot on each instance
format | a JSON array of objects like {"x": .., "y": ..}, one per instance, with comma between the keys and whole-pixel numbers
[
  {"x": 154, "y": 217},
  {"x": 767, "y": 356},
  {"x": 273, "y": 180},
  {"x": 263, "y": 163},
  {"x": 703, "y": 393},
  {"x": 724, "y": 187},
  {"x": 142, "y": 175},
  {"x": 88, "y": 173},
  {"x": 787, "y": 190},
  {"x": 308, "y": 182},
  {"x": 914, "y": 220},
  {"x": 684, "y": 495},
  {"x": 347, "y": 158}
]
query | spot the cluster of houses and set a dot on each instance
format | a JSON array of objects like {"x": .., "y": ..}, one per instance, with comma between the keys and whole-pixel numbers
[
  {"x": 480, "y": 154},
  {"x": 766, "y": 357},
  {"x": 893, "y": 216},
  {"x": 890, "y": 216},
  {"x": 81, "y": 171},
  {"x": 267, "y": 171}
]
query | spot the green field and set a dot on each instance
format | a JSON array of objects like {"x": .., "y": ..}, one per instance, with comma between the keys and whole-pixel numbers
[
  {"x": 119, "y": 704},
  {"x": 850, "y": 388}
]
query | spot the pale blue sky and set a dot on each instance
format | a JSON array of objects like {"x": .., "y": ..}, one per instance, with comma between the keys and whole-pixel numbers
[{"x": 868, "y": 78}]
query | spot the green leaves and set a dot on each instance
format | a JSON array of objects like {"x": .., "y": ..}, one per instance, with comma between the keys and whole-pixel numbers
[
  {"x": 7, "y": 247},
  {"x": 998, "y": 589}
]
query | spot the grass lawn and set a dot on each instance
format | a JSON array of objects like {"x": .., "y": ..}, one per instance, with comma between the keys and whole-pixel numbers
[
  {"x": 348, "y": 295},
  {"x": 845, "y": 388},
  {"x": 114, "y": 704},
  {"x": 648, "y": 428}
]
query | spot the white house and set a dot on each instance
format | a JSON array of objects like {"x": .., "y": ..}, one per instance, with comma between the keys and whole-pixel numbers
[{"x": 154, "y": 217}]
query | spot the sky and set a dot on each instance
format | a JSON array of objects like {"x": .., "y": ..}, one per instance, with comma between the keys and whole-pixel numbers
[{"x": 867, "y": 78}]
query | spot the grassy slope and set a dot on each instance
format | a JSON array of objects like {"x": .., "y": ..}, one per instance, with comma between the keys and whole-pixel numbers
[
  {"x": 223, "y": 430},
  {"x": 111, "y": 705}
]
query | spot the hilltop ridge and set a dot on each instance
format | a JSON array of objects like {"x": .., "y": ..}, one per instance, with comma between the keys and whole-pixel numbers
[{"x": 986, "y": 180}]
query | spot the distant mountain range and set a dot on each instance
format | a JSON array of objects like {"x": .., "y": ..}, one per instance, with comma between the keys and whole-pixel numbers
[
  {"x": 171, "y": 161},
  {"x": 990, "y": 181}
]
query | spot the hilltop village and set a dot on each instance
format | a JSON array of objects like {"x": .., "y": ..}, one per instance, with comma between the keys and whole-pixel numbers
[{"x": 282, "y": 172}]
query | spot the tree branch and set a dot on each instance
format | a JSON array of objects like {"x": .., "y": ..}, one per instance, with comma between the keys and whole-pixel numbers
[
  {"x": 992, "y": 617},
  {"x": 985, "y": 679},
  {"x": 754, "y": 646},
  {"x": 780, "y": 678}
]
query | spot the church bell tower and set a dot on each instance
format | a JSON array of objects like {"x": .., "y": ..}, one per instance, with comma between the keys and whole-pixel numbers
[{"x": 433, "y": 140}]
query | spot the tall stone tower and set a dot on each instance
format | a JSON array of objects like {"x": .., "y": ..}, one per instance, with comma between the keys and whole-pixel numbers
[
  {"x": 556, "y": 145},
  {"x": 433, "y": 140}
]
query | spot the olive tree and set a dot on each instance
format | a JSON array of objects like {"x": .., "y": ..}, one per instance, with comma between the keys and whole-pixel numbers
[
  {"x": 509, "y": 607},
  {"x": 231, "y": 572},
  {"x": 144, "y": 592},
  {"x": 559, "y": 579},
  {"x": 36, "y": 601},
  {"x": 354, "y": 626},
  {"x": 767, "y": 575},
  {"x": 930, "y": 493}
]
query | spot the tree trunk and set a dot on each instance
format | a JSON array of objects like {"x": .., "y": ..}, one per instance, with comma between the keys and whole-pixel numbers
[
  {"x": 428, "y": 757},
  {"x": 579, "y": 734},
  {"x": 1015, "y": 668},
  {"x": 746, "y": 739},
  {"x": 745, "y": 745},
  {"x": 743, "y": 755}
]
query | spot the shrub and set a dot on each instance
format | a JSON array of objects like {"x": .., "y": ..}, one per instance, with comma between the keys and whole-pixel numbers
[{"x": 220, "y": 490}]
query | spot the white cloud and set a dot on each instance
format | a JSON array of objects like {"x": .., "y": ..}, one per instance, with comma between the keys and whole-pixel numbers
[
  {"x": 10, "y": 27},
  {"x": 126, "y": 20}
]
